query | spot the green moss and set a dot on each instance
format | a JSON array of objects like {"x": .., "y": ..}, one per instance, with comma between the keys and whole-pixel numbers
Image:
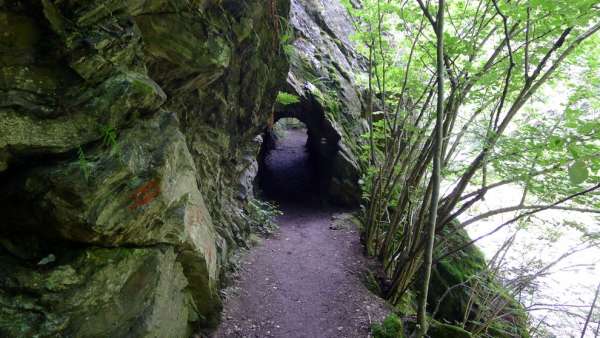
[
  {"x": 465, "y": 263},
  {"x": 390, "y": 328},
  {"x": 504, "y": 330},
  {"x": 440, "y": 330},
  {"x": 408, "y": 304},
  {"x": 18, "y": 39},
  {"x": 286, "y": 99},
  {"x": 461, "y": 268},
  {"x": 330, "y": 103}
]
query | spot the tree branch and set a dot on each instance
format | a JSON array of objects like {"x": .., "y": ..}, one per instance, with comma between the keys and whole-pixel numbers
[
  {"x": 524, "y": 207},
  {"x": 528, "y": 213},
  {"x": 428, "y": 15}
]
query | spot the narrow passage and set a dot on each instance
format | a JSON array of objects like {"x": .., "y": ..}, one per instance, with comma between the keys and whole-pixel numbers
[{"x": 305, "y": 280}]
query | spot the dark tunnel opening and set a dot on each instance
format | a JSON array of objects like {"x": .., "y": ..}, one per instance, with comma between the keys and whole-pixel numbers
[
  {"x": 293, "y": 166},
  {"x": 288, "y": 169}
]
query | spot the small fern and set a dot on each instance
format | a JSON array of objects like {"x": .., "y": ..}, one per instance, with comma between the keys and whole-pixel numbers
[
  {"x": 109, "y": 138},
  {"x": 286, "y": 36},
  {"x": 84, "y": 164},
  {"x": 285, "y": 99},
  {"x": 261, "y": 216}
]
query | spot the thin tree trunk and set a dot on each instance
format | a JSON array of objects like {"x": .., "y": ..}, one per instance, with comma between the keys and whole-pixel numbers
[
  {"x": 589, "y": 316},
  {"x": 435, "y": 176},
  {"x": 370, "y": 107}
]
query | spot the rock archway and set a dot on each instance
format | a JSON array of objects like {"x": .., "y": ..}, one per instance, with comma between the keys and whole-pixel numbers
[
  {"x": 332, "y": 174},
  {"x": 288, "y": 170}
]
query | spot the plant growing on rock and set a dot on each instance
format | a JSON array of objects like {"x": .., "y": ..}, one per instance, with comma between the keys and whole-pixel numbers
[
  {"x": 286, "y": 99},
  {"x": 286, "y": 36},
  {"x": 109, "y": 138},
  {"x": 261, "y": 215},
  {"x": 391, "y": 327},
  {"x": 84, "y": 165}
]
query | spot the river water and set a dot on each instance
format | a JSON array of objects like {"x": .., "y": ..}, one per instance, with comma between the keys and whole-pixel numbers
[{"x": 563, "y": 297}]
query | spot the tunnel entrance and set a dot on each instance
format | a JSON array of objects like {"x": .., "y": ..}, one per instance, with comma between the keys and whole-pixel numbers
[
  {"x": 289, "y": 169},
  {"x": 302, "y": 159}
]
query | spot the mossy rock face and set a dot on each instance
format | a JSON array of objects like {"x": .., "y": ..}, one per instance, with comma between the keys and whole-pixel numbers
[
  {"x": 111, "y": 103},
  {"x": 176, "y": 38},
  {"x": 453, "y": 271},
  {"x": 128, "y": 125},
  {"x": 19, "y": 36},
  {"x": 457, "y": 272},
  {"x": 95, "y": 293},
  {"x": 322, "y": 64},
  {"x": 440, "y": 330},
  {"x": 139, "y": 191}
]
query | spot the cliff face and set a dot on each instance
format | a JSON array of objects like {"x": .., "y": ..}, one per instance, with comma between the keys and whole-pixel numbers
[
  {"x": 324, "y": 72},
  {"x": 127, "y": 147}
]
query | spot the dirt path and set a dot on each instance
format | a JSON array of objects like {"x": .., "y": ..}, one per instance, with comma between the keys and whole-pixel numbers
[{"x": 305, "y": 281}]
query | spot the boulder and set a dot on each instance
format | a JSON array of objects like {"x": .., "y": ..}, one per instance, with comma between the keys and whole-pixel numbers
[
  {"x": 450, "y": 290},
  {"x": 140, "y": 191},
  {"x": 95, "y": 293}
]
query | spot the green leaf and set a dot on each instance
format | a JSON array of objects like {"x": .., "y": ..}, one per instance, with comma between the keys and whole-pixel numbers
[
  {"x": 578, "y": 172},
  {"x": 573, "y": 150},
  {"x": 288, "y": 50},
  {"x": 555, "y": 143}
]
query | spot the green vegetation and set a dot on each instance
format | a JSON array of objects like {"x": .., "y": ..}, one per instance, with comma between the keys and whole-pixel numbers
[
  {"x": 261, "y": 215},
  {"x": 463, "y": 104},
  {"x": 391, "y": 327},
  {"x": 287, "y": 98},
  {"x": 109, "y": 138},
  {"x": 84, "y": 164},
  {"x": 440, "y": 330},
  {"x": 286, "y": 36}
]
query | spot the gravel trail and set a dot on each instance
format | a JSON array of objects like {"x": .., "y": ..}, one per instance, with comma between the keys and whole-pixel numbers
[{"x": 305, "y": 280}]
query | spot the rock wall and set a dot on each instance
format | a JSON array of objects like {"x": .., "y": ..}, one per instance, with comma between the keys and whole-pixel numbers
[
  {"x": 324, "y": 72},
  {"x": 127, "y": 146}
]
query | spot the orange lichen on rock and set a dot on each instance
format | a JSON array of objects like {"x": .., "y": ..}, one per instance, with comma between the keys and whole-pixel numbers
[{"x": 144, "y": 194}]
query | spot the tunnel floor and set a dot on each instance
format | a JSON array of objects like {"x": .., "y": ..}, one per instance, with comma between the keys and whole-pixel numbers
[{"x": 288, "y": 172}]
